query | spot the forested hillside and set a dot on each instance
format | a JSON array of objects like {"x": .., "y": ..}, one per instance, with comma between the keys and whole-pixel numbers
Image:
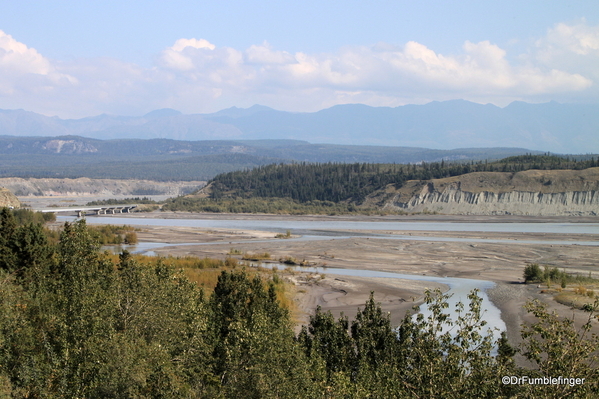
[
  {"x": 340, "y": 188},
  {"x": 175, "y": 160},
  {"x": 157, "y": 168},
  {"x": 75, "y": 323},
  {"x": 353, "y": 182}
]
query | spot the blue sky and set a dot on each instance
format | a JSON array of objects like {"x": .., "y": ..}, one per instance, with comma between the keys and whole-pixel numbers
[{"x": 76, "y": 59}]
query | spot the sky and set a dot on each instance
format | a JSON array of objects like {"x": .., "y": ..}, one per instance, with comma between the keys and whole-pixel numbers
[{"x": 74, "y": 59}]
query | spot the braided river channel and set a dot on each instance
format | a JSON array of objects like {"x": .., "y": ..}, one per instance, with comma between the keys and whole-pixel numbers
[{"x": 313, "y": 230}]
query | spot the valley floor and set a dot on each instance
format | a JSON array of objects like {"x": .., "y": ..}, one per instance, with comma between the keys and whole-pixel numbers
[{"x": 502, "y": 263}]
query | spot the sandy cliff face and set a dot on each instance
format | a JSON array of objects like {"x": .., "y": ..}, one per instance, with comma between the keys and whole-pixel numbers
[
  {"x": 532, "y": 192},
  {"x": 87, "y": 187},
  {"x": 8, "y": 199}
]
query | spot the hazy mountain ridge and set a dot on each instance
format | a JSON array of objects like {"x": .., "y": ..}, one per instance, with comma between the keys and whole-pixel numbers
[
  {"x": 560, "y": 128},
  {"x": 552, "y": 126}
]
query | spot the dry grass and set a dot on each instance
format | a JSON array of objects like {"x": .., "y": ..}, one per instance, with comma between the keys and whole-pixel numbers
[
  {"x": 573, "y": 299},
  {"x": 256, "y": 257},
  {"x": 205, "y": 278},
  {"x": 205, "y": 271}
]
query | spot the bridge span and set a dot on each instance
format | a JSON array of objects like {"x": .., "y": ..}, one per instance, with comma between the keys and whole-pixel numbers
[{"x": 94, "y": 210}]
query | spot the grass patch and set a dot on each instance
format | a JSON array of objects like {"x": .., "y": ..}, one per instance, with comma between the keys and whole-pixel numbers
[
  {"x": 574, "y": 300},
  {"x": 256, "y": 257},
  {"x": 286, "y": 235}
]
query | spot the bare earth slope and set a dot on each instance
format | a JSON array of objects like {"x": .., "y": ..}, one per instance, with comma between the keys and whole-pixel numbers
[
  {"x": 8, "y": 199},
  {"x": 85, "y": 187},
  {"x": 532, "y": 192}
]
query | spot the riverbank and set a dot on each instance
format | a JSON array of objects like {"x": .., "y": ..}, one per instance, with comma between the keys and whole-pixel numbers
[{"x": 343, "y": 295}]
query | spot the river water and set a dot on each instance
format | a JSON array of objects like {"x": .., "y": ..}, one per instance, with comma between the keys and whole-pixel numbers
[{"x": 332, "y": 225}]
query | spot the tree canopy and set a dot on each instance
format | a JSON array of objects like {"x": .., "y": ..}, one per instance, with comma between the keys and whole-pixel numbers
[{"x": 74, "y": 323}]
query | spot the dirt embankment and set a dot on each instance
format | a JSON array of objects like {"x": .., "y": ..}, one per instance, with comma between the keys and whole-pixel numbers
[
  {"x": 532, "y": 192},
  {"x": 90, "y": 187},
  {"x": 8, "y": 199}
]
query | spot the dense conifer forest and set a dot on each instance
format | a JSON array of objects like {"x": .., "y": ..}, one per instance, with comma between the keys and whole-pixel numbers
[{"x": 74, "y": 323}]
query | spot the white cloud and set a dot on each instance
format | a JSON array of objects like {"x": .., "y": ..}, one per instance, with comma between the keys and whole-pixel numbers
[
  {"x": 26, "y": 74},
  {"x": 386, "y": 71},
  {"x": 194, "y": 75},
  {"x": 201, "y": 63},
  {"x": 179, "y": 56},
  {"x": 578, "y": 39},
  {"x": 573, "y": 48},
  {"x": 264, "y": 55},
  {"x": 18, "y": 58},
  {"x": 194, "y": 43}
]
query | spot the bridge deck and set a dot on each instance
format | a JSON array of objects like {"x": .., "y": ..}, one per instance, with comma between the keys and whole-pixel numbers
[{"x": 98, "y": 210}]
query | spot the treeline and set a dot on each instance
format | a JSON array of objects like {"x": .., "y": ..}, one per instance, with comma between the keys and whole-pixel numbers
[
  {"x": 25, "y": 216},
  {"x": 285, "y": 206},
  {"x": 334, "y": 182},
  {"x": 73, "y": 323},
  {"x": 124, "y": 201}
]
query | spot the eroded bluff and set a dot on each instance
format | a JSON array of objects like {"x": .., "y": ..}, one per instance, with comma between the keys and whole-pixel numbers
[{"x": 532, "y": 192}]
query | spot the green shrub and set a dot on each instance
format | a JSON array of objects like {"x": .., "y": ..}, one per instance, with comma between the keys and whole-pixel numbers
[{"x": 533, "y": 273}]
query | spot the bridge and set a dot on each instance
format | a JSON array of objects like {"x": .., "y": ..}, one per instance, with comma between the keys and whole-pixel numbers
[{"x": 94, "y": 210}]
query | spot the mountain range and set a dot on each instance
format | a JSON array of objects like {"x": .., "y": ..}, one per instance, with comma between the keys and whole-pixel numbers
[{"x": 554, "y": 127}]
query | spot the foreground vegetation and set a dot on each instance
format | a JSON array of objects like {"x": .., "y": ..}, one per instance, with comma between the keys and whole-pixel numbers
[{"x": 78, "y": 322}]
